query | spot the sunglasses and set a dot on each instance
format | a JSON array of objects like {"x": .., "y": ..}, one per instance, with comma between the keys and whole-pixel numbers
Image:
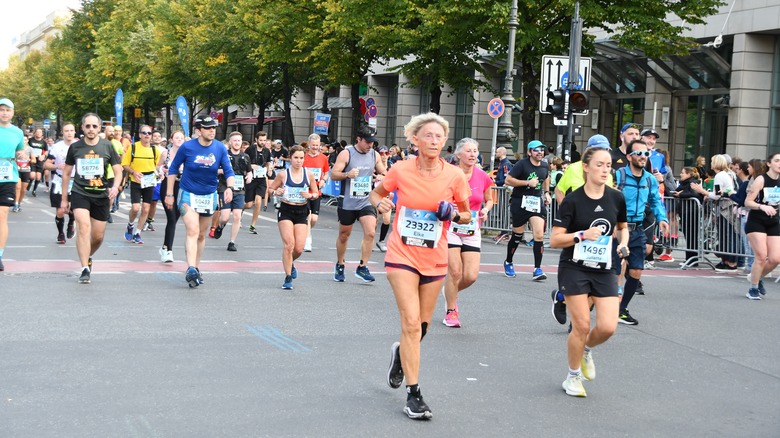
[
  {"x": 640, "y": 153},
  {"x": 537, "y": 150},
  {"x": 92, "y": 126},
  {"x": 146, "y": 132},
  {"x": 384, "y": 153}
]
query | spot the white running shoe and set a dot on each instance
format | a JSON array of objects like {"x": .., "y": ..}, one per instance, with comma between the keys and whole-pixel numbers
[
  {"x": 307, "y": 245},
  {"x": 573, "y": 386},
  {"x": 166, "y": 256}
]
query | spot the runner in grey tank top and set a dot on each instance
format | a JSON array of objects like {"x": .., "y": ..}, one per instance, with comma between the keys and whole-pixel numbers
[{"x": 355, "y": 191}]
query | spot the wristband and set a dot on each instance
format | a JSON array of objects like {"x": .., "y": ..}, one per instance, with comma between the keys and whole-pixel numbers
[
  {"x": 456, "y": 218},
  {"x": 377, "y": 205},
  {"x": 169, "y": 196}
]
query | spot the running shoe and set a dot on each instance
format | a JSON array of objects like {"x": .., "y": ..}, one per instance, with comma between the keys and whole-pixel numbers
[
  {"x": 200, "y": 276},
  {"x": 192, "y": 277},
  {"x": 588, "y": 367},
  {"x": 61, "y": 238},
  {"x": 110, "y": 219},
  {"x": 211, "y": 232},
  {"x": 84, "y": 279},
  {"x": 723, "y": 267},
  {"x": 381, "y": 246},
  {"x": 307, "y": 245},
  {"x": 137, "y": 239},
  {"x": 573, "y": 386},
  {"x": 265, "y": 208},
  {"x": 395, "y": 374},
  {"x": 363, "y": 274},
  {"x": 666, "y": 258},
  {"x": 148, "y": 226},
  {"x": 71, "y": 231},
  {"x": 166, "y": 256},
  {"x": 539, "y": 275},
  {"x": 761, "y": 288},
  {"x": 15, "y": 208},
  {"x": 35, "y": 195},
  {"x": 2, "y": 267},
  {"x": 416, "y": 409},
  {"x": 294, "y": 273},
  {"x": 649, "y": 265},
  {"x": 625, "y": 318},
  {"x": 339, "y": 274},
  {"x": 232, "y": 246},
  {"x": 217, "y": 232},
  {"x": 558, "y": 307},
  {"x": 129, "y": 232},
  {"x": 509, "y": 270},
  {"x": 287, "y": 282},
  {"x": 451, "y": 319},
  {"x": 753, "y": 294},
  {"x": 252, "y": 229}
]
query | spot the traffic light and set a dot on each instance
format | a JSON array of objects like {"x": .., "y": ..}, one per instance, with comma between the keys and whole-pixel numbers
[
  {"x": 558, "y": 107},
  {"x": 579, "y": 100}
]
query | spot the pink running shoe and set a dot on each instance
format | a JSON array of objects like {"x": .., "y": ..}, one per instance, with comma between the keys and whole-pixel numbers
[{"x": 451, "y": 319}]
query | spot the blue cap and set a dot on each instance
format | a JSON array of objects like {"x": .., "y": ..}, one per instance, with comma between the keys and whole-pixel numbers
[
  {"x": 598, "y": 141},
  {"x": 637, "y": 126},
  {"x": 535, "y": 144},
  {"x": 7, "y": 102}
]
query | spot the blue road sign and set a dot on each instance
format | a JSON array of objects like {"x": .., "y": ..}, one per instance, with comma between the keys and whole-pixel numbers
[{"x": 496, "y": 108}]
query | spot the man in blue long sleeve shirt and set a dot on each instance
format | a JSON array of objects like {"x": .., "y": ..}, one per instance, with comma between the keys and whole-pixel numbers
[
  {"x": 504, "y": 166},
  {"x": 639, "y": 188}
]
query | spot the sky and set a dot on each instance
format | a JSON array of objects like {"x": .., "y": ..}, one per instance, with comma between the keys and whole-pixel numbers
[{"x": 21, "y": 16}]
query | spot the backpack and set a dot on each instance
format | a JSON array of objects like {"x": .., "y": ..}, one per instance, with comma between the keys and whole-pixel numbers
[{"x": 132, "y": 153}]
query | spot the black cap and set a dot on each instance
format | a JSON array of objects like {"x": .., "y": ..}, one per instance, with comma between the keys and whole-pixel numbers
[
  {"x": 366, "y": 134},
  {"x": 650, "y": 131},
  {"x": 206, "y": 121}
]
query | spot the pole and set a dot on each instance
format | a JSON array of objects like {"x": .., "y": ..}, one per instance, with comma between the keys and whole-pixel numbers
[
  {"x": 493, "y": 144},
  {"x": 507, "y": 130},
  {"x": 575, "y": 46}
]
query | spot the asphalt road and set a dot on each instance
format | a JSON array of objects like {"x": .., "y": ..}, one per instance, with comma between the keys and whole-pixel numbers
[{"x": 138, "y": 353}]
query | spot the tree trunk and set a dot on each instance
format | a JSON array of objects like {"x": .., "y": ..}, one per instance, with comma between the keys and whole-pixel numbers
[
  {"x": 225, "y": 116},
  {"x": 261, "y": 106},
  {"x": 168, "y": 121},
  {"x": 530, "y": 102},
  {"x": 436, "y": 99},
  {"x": 357, "y": 117}
]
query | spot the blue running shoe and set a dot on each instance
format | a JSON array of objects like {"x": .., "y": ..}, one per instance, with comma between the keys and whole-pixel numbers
[
  {"x": 137, "y": 239},
  {"x": 192, "y": 277},
  {"x": 761, "y": 288},
  {"x": 287, "y": 282},
  {"x": 509, "y": 270},
  {"x": 539, "y": 275},
  {"x": 339, "y": 274},
  {"x": 363, "y": 274},
  {"x": 200, "y": 277},
  {"x": 294, "y": 273},
  {"x": 129, "y": 233},
  {"x": 753, "y": 294}
]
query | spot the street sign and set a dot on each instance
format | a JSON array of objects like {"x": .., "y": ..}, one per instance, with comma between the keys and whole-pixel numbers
[
  {"x": 46, "y": 124},
  {"x": 495, "y": 108},
  {"x": 555, "y": 74},
  {"x": 372, "y": 111},
  {"x": 370, "y": 102},
  {"x": 321, "y": 123}
]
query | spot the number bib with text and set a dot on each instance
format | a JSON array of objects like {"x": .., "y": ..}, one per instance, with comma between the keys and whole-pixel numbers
[
  {"x": 772, "y": 195},
  {"x": 293, "y": 195},
  {"x": 316, "y": 171},
  {"x": 531, "y": 203},
  {"x": 6, "y": 170},
  {"x": 202, "y": 203},
  {"x": 260, "y": 172},
  {"x": 594, "y": 253},
  {"x": 90, "y": 168},
  {"x": 468, "y": 229},
  {"x": 239, "y": 182},
  {"x": 360, "y": 187},
  {"x": 418, "y": 227},
  {"x": 148, "y": 180}
]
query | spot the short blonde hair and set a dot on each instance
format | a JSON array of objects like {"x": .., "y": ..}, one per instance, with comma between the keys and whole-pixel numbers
[
  {"x": 413, "y": 127},
  {"x": 719, "y": 163}
]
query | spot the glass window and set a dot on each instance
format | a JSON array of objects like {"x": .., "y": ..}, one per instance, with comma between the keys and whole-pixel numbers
[
  {"x": 774, "y": 122},
  {"x": 464, "y": 109},
  {"x": 392, "y": 111}
]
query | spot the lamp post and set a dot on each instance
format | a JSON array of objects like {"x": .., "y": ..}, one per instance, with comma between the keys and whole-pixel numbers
[{"x": 506, "y": 132}]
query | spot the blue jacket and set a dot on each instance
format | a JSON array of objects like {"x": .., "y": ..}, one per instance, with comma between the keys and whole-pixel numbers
[
  {"x": 640, "y": 191},
  {"x": 504, "y": 166}
]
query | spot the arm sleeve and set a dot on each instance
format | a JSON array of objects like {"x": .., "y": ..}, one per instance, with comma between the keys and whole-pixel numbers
[{"x": 654, "y": 199}]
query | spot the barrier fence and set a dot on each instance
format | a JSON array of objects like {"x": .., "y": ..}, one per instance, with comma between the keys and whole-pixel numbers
[{"x": 706, "y": 232}]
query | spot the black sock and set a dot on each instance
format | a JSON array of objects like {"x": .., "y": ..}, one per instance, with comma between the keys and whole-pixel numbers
[
  {"x": 538, "y": 249},
  {"x": 71, "y": 218},
  {"x": 60, "y": 221},
  {"x": 514, "y": 242},
  {"x": 383, "y": 231},
  {"x": 629, "y": 288},
  {"x": 35, "y": 186},
  {"x": 412, "y": 391}
]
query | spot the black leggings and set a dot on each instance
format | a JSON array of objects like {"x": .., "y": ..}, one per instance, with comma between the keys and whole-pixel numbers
[{"x": 171, "y": 214}]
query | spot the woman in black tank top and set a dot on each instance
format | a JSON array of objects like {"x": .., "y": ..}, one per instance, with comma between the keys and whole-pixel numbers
[{"x": 763, "y": 227}]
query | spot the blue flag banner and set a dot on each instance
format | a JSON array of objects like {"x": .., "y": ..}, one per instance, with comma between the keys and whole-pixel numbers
[
  {"x": 184, "y": 114},
  {"x": 119, "y": 105}
]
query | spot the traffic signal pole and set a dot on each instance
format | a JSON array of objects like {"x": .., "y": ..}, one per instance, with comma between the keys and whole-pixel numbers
[{"x": 575, "y": 47}]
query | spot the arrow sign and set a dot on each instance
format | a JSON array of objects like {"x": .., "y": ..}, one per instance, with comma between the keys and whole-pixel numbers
[
  {"x": 556, "y": 75},
  {"x": 495, "y": 108}
]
